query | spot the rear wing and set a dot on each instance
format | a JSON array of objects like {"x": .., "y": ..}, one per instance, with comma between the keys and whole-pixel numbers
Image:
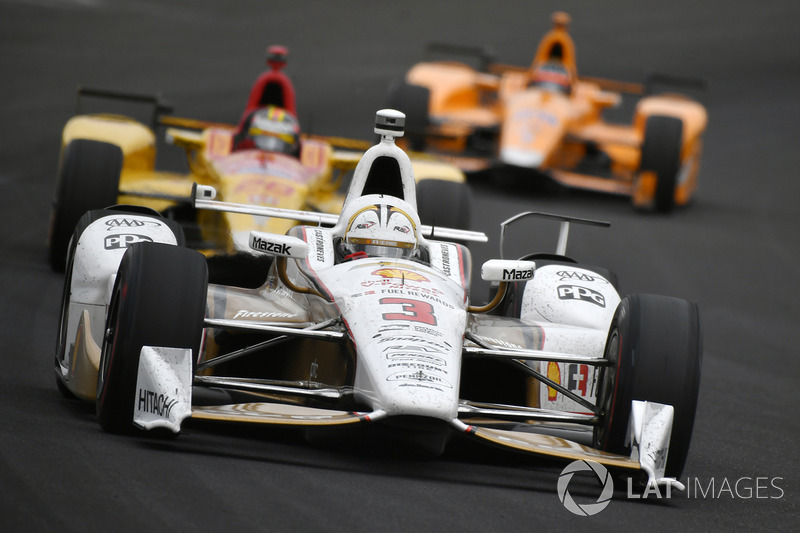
[
  {"x": 481, "y": 58},
  {"x": 657, "y": 82},
  {"x": 158, "y": 104},
  {"x": 159, "y": 107}
]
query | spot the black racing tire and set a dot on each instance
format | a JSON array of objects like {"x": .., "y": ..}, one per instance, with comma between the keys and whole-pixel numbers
[
  {"x": 444, "y": 203},
  {"x": 655, "y": 346},
  {"x": 159, "y": 299},
  {"x": 88, "y": 178},
  {"x": 413, "y": 101},
  {"x": 661, "y": 153},
  {"x": 84, "y": 222}
]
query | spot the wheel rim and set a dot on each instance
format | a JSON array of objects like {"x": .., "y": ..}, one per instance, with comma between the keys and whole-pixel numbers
[
  {"x": 109, "y": 336},
  {"x": 609, "y": 388}
]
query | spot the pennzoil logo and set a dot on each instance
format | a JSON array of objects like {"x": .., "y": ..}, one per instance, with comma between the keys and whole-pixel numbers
[{"x": 399, "y": 273}]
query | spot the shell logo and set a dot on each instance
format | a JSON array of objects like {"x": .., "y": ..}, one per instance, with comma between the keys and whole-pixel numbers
[{"x": 399, "y": 273}]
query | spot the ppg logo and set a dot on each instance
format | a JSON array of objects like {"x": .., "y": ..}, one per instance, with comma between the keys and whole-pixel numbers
[
  {"x": 574, "y": 292},
  {"x": 123, "y": 240}
]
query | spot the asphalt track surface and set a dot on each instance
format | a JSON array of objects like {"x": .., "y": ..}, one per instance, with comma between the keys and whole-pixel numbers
[{"x": 735, "y": 251}]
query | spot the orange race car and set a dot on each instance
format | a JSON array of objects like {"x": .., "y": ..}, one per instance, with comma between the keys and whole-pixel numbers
[{"x": 548, "y": 119}]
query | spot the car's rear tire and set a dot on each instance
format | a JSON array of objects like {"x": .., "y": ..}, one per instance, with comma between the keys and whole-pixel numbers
[
  {"x": 655, "y": 347},
  {"x": 661, "y": 153},
  {"x": 159, "y": 299},
  {"x": 88, "y": 178},
  {"x": 444, "y": 203}
]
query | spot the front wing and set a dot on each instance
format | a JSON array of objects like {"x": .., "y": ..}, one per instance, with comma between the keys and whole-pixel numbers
[{"x": 650, "y": 427}]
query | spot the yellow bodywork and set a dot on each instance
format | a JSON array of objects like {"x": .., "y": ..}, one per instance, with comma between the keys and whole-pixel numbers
[{"x": 310, "y": 183}]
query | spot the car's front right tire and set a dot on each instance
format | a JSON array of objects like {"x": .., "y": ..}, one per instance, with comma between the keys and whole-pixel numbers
[{"x": 654, "y": 348}]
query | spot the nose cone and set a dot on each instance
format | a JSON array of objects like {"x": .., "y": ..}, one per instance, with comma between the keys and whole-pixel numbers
[{"x": 521, "y": 158}]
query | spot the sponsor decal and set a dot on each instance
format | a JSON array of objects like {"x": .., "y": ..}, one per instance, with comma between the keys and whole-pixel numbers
[
  {"x": 553, "y": 373},
  {"x": 260, "y": 187},
  {"x": 571, "y": 274},
  {"x": 413, "y": 291},
  {"x": 273, "y": 247},
  {"x": 416, "y": 357},
  {"x": 575, "y": 292},
  {"x": 319, "y": 244},
  {"x": 421, "y": 378},
  {"x": 114, "y": 223},
  {"x": 417, "y": 341},
  {"x": 536, "y": 115},
  {"x": 154, "y": 403},
  {"x": 577, "y": 378},
  {"x": 399, "y": 273},
  {"x": 391, "y": 284},
  {"x": 428, "y": 331},
  {"x": 499, "y": 342},
  {"x": 515, "y": 275},
  {"x": 243, "y": 313},
  {"x": 123, "y": 240},
  {"x": 446, "y": 259},
  {"x": 416, "y": 365}
]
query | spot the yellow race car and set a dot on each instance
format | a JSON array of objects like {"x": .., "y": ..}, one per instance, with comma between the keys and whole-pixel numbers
[
  {"x": 547, "y": 119},
  {"x": 110, "y": 159}
]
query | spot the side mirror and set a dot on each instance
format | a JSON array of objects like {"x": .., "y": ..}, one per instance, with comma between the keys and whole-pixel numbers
[
  {"x": 507, "y": 270},
  {"x": 280, "y": 245}
]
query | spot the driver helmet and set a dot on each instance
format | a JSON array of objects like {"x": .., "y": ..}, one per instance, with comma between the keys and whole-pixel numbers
[
  {"x": 552, "y": 76},
  {"x": 380, "y": 226},
  {"x": 275, "y": 130}
]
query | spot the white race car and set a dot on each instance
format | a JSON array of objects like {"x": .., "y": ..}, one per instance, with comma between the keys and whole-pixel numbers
[{"x": 366, "y": 319}]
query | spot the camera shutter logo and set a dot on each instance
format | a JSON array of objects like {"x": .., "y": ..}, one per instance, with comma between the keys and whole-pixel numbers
[{"x": 587, "y": 509}]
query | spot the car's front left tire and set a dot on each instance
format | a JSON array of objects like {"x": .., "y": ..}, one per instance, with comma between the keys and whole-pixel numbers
[{"x": 159, "y": 299}]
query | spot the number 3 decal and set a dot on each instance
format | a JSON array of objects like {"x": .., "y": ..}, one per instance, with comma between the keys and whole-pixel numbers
[{"x": 413, "y": 310}]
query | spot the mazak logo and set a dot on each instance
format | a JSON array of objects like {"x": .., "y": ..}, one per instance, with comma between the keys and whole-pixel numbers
[
  {"x": 574, "y": 292},
  {"x": 515, "y": 275},
  {"x": 272, "y": 247},
  {"x": 399, "y": 273},
  {"x": 123, "y": 240},
  {"x": 586, "y": 509}
]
